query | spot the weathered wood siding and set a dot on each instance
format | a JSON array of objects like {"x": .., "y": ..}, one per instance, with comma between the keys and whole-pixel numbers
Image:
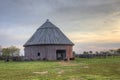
[{"x": 46, "y": 51}]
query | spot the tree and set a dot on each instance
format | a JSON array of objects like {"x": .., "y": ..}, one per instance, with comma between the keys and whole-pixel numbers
[
  {"x": 90, "y": 52},
  {"x": 85, "y": 52},
  {"x": 74, "y": 53},
  {"x": 0, "y": 50},
  {"x": 97, "y": 53},
  {"x": 6, "y": 53},
  {"x": 14, "y": 51},
  {"x": 10, "y": 51},
  {"x": 118, "y": 51}
]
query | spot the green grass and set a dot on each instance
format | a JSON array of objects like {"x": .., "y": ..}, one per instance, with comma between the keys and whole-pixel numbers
[{"x": 80, "y": 69}]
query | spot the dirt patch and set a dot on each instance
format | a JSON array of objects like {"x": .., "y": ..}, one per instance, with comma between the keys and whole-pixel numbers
[
  {"x": 67, "y": 63},
  {"x": 77, "y": 79},
  {"x": 85, "y": 67},
  {"x": 59, "y": 75},
  {"x": 43, "y": 72},
  {"x": 60, "y": 72}
]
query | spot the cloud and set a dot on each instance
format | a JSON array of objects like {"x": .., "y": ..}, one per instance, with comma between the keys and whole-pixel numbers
[
  {"x": 116, "y": 31},
  {"x": 22, "y": 11},
  {"x": 14, "y": 35},
  {"x": 6, "y": 40},
  {"x": 81, "y": 47},
  {"x": 86, "y": 8},
  {"x": 84, "y": 21},
  {"x": 88, "y": 37}
]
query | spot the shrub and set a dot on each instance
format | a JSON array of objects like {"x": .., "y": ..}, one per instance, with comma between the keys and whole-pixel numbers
[
  {"x": 17, "y": 58},
  {"x": 65, "y": 59},
  {"x": 44, "y": 59},
  {"x": 73, "y": 58}
]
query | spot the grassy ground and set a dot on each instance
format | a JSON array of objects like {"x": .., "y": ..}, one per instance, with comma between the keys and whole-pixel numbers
[{"x": 80, "y": 69}]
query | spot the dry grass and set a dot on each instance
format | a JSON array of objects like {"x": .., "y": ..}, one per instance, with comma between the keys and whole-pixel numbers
[
  {"x": 67, "y": 63},
  {"x": 60, "y": 72},
  {"x": 43, "y": 72}
]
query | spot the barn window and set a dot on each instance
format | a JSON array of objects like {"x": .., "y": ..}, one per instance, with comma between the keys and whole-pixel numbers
[{"x": 38, "y": 54}]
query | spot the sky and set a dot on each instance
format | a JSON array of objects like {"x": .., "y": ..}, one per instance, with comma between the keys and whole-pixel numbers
[{"x": 89, "y": 24}]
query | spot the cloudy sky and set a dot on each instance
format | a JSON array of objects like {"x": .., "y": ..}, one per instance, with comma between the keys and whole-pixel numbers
[{"x": 90, "y": 24}]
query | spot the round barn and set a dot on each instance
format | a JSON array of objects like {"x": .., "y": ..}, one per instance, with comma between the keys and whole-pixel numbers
[{"x": 48, "y": 43}]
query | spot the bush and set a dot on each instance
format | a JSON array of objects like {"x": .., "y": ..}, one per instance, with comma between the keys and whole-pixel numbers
[
  {"x": 73, "y": 58},
  {"x": 17, "y": 58},
  {"x": 1, "y": 58},
  {"x": 44, "y": 59},
  {"x": 65, "y": 59}
]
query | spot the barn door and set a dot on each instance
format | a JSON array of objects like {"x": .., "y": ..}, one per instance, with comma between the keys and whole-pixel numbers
[{"x": 60, "y": 54}]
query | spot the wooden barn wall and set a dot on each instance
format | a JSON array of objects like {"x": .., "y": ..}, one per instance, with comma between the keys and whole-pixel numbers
[{"x": 46, "y": 51}]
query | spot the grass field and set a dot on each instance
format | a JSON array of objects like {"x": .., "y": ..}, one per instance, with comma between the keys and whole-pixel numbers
[{"x": 80, "y": 69}]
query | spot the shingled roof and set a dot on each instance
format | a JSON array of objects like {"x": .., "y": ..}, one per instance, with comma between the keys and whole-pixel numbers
[{"x": 48, "y": 33}]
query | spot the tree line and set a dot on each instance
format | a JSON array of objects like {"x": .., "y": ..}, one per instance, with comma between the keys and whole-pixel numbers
[
  {"x": 99, "y": 54},
  {"x": 10, "y": 53}
]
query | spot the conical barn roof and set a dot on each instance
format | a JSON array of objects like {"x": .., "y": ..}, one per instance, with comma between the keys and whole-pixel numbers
[{"x": 48, "y": 34}]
